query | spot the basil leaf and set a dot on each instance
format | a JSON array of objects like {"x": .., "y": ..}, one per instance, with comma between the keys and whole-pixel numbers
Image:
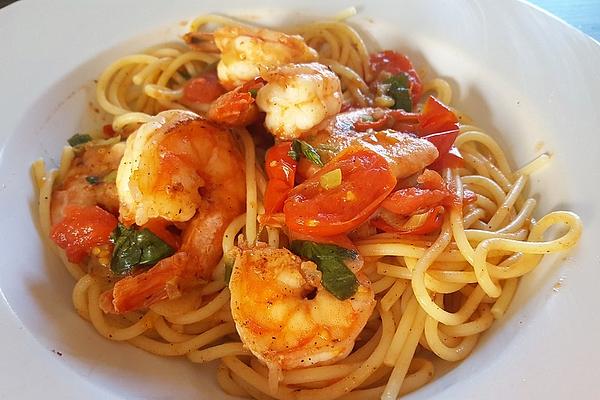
[
  {"x": 136, "y": 248},
  {"x": 400, "y": 91},
  {"x": 337, "y": 278},
  {"x": 253, "y": 92},
  {"x": 93, "y": 180},
  {"x": 301, "y": 147},
  {"x": 78, "y": 139}
]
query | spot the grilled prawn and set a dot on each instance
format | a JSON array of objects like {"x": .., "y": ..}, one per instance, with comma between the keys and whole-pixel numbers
[
  {"x": 285, "y": 316},
  {"x": 245, "y": 51}
]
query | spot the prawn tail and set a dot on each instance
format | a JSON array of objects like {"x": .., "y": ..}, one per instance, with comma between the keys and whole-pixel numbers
[{"x": 161, "y": 282}]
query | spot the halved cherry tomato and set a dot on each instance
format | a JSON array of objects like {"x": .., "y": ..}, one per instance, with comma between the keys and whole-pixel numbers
[
  {"x": 281, "y": 171},
  {"x": 430, "y": 193},
  {"x": 436, "y": 118},
  {"x": 203, "y": 89},
  {"x": 413, "y": 200},
  {"x": 275, "y": 195},
  {"x": 439, "y": 125},
  {"x": 82, "y": 229},
  {"x": 159, "y": 227},
  {"x": 366, "y": 181},
  {"x": 279, "y": 164},
  {"x": 395, "y": 63}
]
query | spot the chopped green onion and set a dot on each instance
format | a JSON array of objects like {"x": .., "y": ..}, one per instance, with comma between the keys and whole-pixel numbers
[
  {"x": 331, "y": 179},
  {"x": 301, "y": 147}
]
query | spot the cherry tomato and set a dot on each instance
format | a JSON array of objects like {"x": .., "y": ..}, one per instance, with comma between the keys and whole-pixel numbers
[
  {"x": 82, "y": 229},
  {"x": 281, "y": 170},
  {"x": 275, "y": 195},
  {"x": 395, "y": 63},
  {"x": 436, "y": 118},
  {"x": 203, "y": 89},
  {"x": 366, "y": 181},
  {"x": 279, "y": 164},
  {"x": 412, "y": 200}
]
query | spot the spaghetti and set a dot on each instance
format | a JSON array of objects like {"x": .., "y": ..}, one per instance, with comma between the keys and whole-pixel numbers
[{"x": 436, "y": 293}]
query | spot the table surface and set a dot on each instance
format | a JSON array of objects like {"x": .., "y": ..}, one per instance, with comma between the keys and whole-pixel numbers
[{"x": 582, "y": 14}]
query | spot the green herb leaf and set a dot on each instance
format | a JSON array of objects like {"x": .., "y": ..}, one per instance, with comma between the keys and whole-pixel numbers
[
  {"x": 253, "y": 92},
  {"x": 136, "y": 248},
  {"x": 301, "y": 147},
  {"x": 400, "y": 91},
  {"x": 78, "y": 139},
  {"x": 337, "y": 278},
  {"x": 93, "y": 180}
]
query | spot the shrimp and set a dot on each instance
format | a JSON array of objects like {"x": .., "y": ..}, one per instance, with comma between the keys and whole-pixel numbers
[
  {"x": 170, "y": 160},
  {"x": 181, "y": 168},
  {"x": 245, "y": 51},
  {"x": 77, "y": 188},
  {"x": 407, "y": 154},
  {"x": 285, "y": 316},
  {"x": 298, "y": 97}
]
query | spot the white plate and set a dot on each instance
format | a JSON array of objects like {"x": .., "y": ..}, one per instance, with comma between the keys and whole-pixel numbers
[{"x": 525, "y": 76}]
